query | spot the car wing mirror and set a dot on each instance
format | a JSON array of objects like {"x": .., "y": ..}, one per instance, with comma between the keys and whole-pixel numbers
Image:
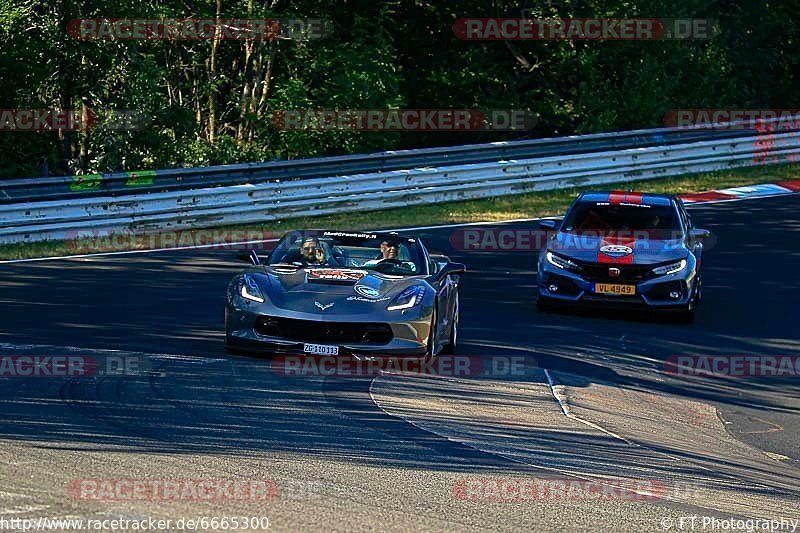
[
  {"x": 699, "y": 234},
  {"x": 452, "y": 269},
  {"x": 441, "y": 261},
  {"x": 250, "y": 257},
  {"x": 549, "y": 224}
]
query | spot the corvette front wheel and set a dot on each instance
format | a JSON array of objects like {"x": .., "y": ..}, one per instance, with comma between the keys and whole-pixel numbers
[
  {"x": 430, "y": 354},
  {"x": 452, "y": 344}
]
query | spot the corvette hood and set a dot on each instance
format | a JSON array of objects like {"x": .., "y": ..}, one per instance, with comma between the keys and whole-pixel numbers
[
  {"x": 339, "y": 291},
  {"x": 617, "y": 249}
]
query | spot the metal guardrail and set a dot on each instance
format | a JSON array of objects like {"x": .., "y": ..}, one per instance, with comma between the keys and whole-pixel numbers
[
  {"x": 151, "y": 181},
  {"x": 274, "y": 200}
]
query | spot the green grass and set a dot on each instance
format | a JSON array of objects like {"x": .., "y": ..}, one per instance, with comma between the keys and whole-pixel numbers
[{"x": 484, "y": 210}]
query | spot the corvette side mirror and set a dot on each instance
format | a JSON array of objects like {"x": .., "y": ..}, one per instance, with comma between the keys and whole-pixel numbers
[
  {"x": 549, "y": 224},
  {"x": 699, "y": 234},
  {"x": 452, "y": 268},
  {"x": 250, "y": 257}
]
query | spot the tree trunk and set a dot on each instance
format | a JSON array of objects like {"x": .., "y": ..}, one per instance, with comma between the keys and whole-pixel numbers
[
  {"x": 247, "y": 71},
  {"x": 212, "y": 74}
]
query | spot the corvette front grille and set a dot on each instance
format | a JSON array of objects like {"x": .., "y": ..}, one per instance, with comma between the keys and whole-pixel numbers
[{"x": 318, "y": 331}]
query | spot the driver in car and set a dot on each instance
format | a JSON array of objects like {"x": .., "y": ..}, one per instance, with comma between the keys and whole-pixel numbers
[
  {"x": 390, "y": 251},
  {"x": 312, "y": 253}
]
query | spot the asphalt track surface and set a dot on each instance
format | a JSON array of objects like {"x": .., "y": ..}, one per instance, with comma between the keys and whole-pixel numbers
[{"x": 354, "y": 453}]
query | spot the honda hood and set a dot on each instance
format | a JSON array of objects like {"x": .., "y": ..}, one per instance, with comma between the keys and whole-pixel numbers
[{"x": 617, "y": 249}]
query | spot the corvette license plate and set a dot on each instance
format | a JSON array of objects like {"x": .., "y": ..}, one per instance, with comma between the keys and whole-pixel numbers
[
  {"x": 615, "y": 289},
  {"x": 320, "y": 349}
]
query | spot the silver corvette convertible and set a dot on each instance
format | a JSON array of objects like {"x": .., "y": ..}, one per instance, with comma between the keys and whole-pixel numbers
[{"x": 345, "y": 293}]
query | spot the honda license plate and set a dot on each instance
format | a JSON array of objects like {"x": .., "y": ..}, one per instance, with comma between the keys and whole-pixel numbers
[{"x": 615, "y": 289}]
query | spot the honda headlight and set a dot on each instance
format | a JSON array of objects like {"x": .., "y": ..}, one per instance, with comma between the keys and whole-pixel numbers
[
  {"x": 672, "y": 268},
  {"x": 250, "y": 290},
  {"x": 407, "y": 299},
  {"x": 561, "y": 262}
]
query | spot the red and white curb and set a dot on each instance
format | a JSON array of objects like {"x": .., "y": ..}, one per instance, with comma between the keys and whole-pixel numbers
[{"x": 746, "y": 192}]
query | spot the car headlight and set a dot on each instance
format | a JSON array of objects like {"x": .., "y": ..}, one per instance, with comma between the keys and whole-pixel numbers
[
  {"x": 250, "y": 290},
  {"x": 561, "y": 262},
  {"x": 672, "y": 268},
  {"x": 407, "y": 299}
]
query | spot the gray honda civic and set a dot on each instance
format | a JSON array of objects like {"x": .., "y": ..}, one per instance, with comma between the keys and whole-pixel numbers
[
  {"x": 353, "y": 293},
  {"x": 623, "y": 250}
]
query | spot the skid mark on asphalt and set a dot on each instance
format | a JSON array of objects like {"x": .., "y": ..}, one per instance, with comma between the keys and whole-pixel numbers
[
  {"x": 686, "y": 432},
  {"x": 480, "y": 416},
  {"x": 771, "y": 429},
  {"x": 509, "y": 454},
  {"x": 353, "y": 398}
]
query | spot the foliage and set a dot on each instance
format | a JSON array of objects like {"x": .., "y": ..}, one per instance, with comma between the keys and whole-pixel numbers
[{"x": 197, "y": 102}]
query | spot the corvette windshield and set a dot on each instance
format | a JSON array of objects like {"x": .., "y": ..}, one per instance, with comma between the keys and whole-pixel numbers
[
  {"x": 390, "y": 255},
  {"x": 659, "y": 221}
]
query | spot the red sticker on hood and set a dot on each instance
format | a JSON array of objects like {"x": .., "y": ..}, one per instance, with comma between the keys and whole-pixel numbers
[
  {"x": 335, "y": 274},
  {"x": 616, "y": 250}
]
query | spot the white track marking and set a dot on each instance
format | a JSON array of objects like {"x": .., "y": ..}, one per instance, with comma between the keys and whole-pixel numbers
[
  {"x": 484, "y": 223},
  {"x": 622, "y": 342},
  {"x": 559, "y": 393},
  {"x": 222, "y": 246},
  {"x": 689, "y": 205},
  {"x": 585, "y": 476}
]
